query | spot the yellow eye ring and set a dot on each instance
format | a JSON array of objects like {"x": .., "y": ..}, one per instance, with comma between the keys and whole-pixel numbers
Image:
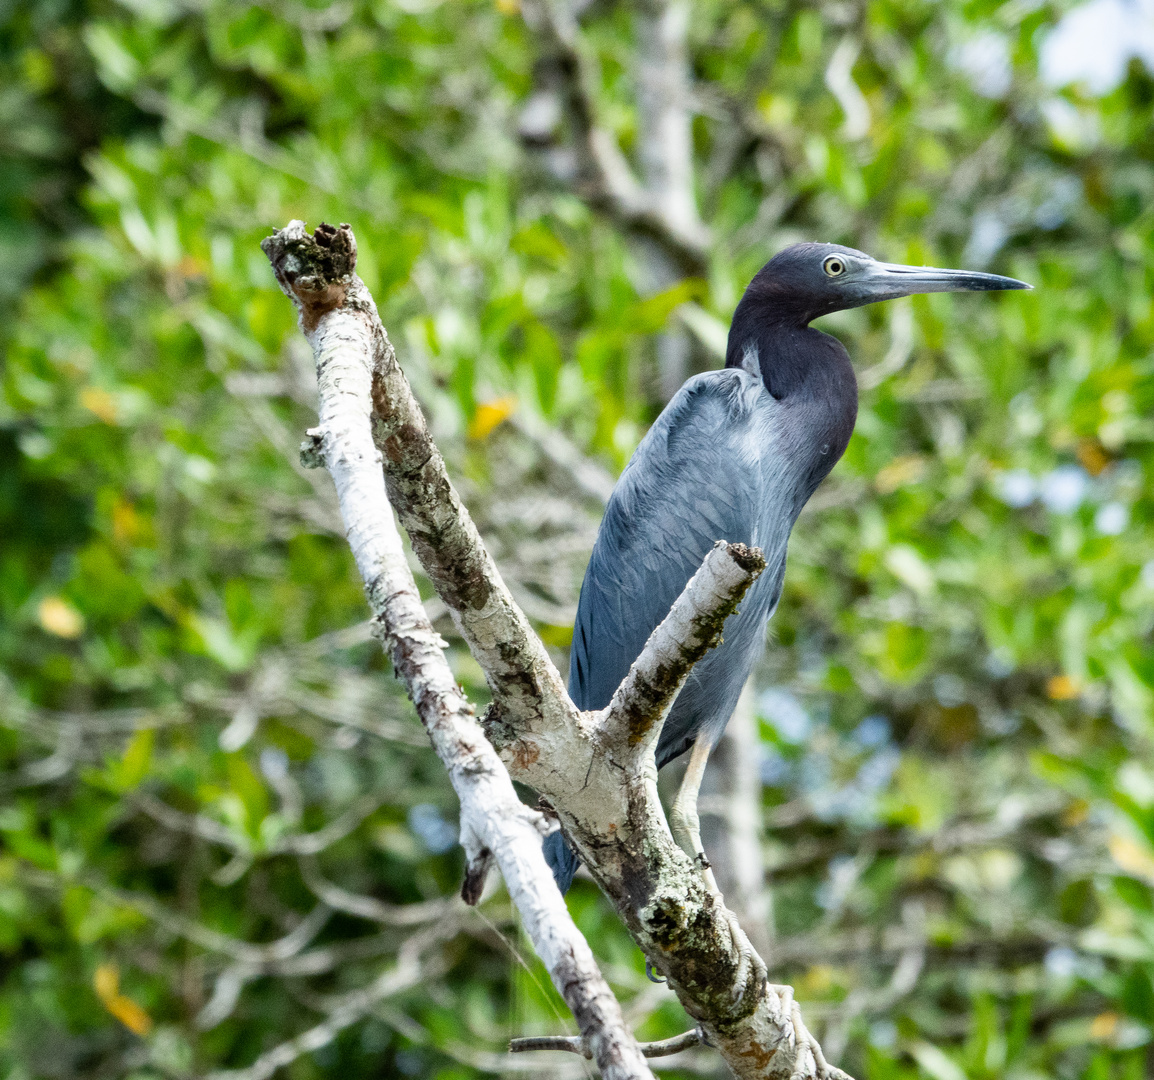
[{"x": 834, "y": 265}]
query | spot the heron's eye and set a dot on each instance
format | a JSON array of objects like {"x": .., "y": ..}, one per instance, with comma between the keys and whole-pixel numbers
[{"x": 834, "y": 266}]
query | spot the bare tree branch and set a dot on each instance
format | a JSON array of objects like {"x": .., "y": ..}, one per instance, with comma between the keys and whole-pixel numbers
[
  {"x": 294, "y": 843},
  {"x": 669, "y": 213},
  {"x": 593, "y": 479},
  {"x": 408, "y": 972},
  {"x": 368, "y": 907},
  {"x": 602, "y": 784},
  {"x": 339, "y": 319}
]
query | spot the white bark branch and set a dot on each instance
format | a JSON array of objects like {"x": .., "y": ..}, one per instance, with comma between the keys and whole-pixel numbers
[
  {"x": 601, "y": 785},
  {"x": 339, "y": 320},
  {"x": 693, "y": 627}
]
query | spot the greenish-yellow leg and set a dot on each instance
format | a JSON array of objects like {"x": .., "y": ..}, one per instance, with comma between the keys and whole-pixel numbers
[{"x": 686, "y": 828}]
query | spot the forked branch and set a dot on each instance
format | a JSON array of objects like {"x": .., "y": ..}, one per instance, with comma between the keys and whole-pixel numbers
[
  {"x": 316, "y": 273},
  {"x": 592, "y": 767}
]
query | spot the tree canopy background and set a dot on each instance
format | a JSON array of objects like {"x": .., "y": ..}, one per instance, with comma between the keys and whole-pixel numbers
[{"x": 220, "y": 821}]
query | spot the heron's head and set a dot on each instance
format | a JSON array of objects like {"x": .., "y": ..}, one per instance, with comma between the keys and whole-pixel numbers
[{"x": 806, "y": 281}]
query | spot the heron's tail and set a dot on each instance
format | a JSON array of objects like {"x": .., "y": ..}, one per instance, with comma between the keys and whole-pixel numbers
[{"x": 562, "y": 860}]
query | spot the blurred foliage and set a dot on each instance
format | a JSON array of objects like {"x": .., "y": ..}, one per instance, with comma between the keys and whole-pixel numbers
[{"x": 216, "y": 806}]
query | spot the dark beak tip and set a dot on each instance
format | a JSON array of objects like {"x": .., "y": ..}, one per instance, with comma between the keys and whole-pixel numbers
[{"x": 1012, "y": 284}]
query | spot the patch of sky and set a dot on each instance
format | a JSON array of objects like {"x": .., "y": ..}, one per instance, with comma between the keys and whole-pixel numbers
[
  {"x": 949, "y": 689},
  {"x": 1146, "y": 575},
  {"x": 1000, "y": 662},
  {"x": 775, "y": 771},
  {"x": 988, "y": 232},
  {"x": 1063, "y": 489},
  {"x": 873, "y": 731},
  {"x": 877, "y": 770},
  {"x": 1094, "y": 43},
  {"x": 1017, "y": 488},
  {"x": 883, "y": 1034},
  {"x": 1053, "y": 211},
  {"x": 1112, "y": 518},
  {"x": 274, "y": 763},
  {"x": 1040, "y": 199},
  {"x": 431, "y": 828},
  {"x": 1074, "y": 129},
  {"x": 1062, "y": 962},
  {"x": 787, "y": 715},
  {"x": 985, "y": 61},
  {"x": 855, "y": 801}
]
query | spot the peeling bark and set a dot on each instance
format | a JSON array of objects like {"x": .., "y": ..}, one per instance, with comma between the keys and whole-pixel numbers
[
  {"x": 596, "y": 770},
  {"x": 339, "y": 319}
]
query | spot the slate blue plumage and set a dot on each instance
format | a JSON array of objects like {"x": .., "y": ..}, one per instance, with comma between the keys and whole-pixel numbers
[{"x": 734, "y": 456}]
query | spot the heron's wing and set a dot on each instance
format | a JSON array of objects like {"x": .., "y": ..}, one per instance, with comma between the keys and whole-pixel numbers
[{"x": 703, "y": 473}]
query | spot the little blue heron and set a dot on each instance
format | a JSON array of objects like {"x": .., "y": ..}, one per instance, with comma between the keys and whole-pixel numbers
[{"x": 734, "y": 456}]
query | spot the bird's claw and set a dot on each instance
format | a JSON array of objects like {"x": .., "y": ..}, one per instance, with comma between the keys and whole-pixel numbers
[
  {"x": 650, "y": 975},
  {"x": 805, "y": 1065},
  {"x": 746, "y": 959},
  {"x": 702, "y": 862}
]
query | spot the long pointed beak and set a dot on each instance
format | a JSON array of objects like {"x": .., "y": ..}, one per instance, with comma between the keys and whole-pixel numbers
[{"x": 887, "y": 281}]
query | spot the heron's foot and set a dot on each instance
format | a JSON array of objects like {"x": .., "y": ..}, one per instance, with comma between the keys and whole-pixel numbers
[
  {"x": 747, "y": 961},
  {"x": 651, "y": 975},
  {"x": 808, "y": 1058},
  {"x": 683, "y": 829}
]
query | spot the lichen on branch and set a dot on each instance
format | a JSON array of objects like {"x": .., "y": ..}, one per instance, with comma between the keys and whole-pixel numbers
[{"x": 595, "y": 769}]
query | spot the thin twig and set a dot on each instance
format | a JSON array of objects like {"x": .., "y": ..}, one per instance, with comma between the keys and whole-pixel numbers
[{"x": 574, "y": 1044}]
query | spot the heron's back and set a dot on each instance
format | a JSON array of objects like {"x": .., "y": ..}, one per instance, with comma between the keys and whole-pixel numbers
[{"x": 711, "y": 468}]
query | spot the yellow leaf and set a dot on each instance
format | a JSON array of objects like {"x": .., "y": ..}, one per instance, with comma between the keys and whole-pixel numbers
[
  {"x": 508, "y": 7},
  {"x": 59, "y": 617},
  {"x": 191, "y": 267},
  {"x": 1103, "y": 1026},
  {"x": 817, "y": 980},
  {"x": 489, "y": 414},
  {"x": 1092, "y": 457},
  {"x": 131, "y": 1015},
  {"x": 106, "y": 982},
  {"x": 125, "y": 521},
  {"x": 899, "y": 472},
  {"x": 100, "y": 403},
  {"x": 1132, "y": 857},
  {"x": 1063, "y": 688}
]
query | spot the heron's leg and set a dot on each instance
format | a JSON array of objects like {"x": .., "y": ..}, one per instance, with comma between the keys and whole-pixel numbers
[
  {"x": 683, "y": 819},
  {"x": 686, "y": 828}
]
